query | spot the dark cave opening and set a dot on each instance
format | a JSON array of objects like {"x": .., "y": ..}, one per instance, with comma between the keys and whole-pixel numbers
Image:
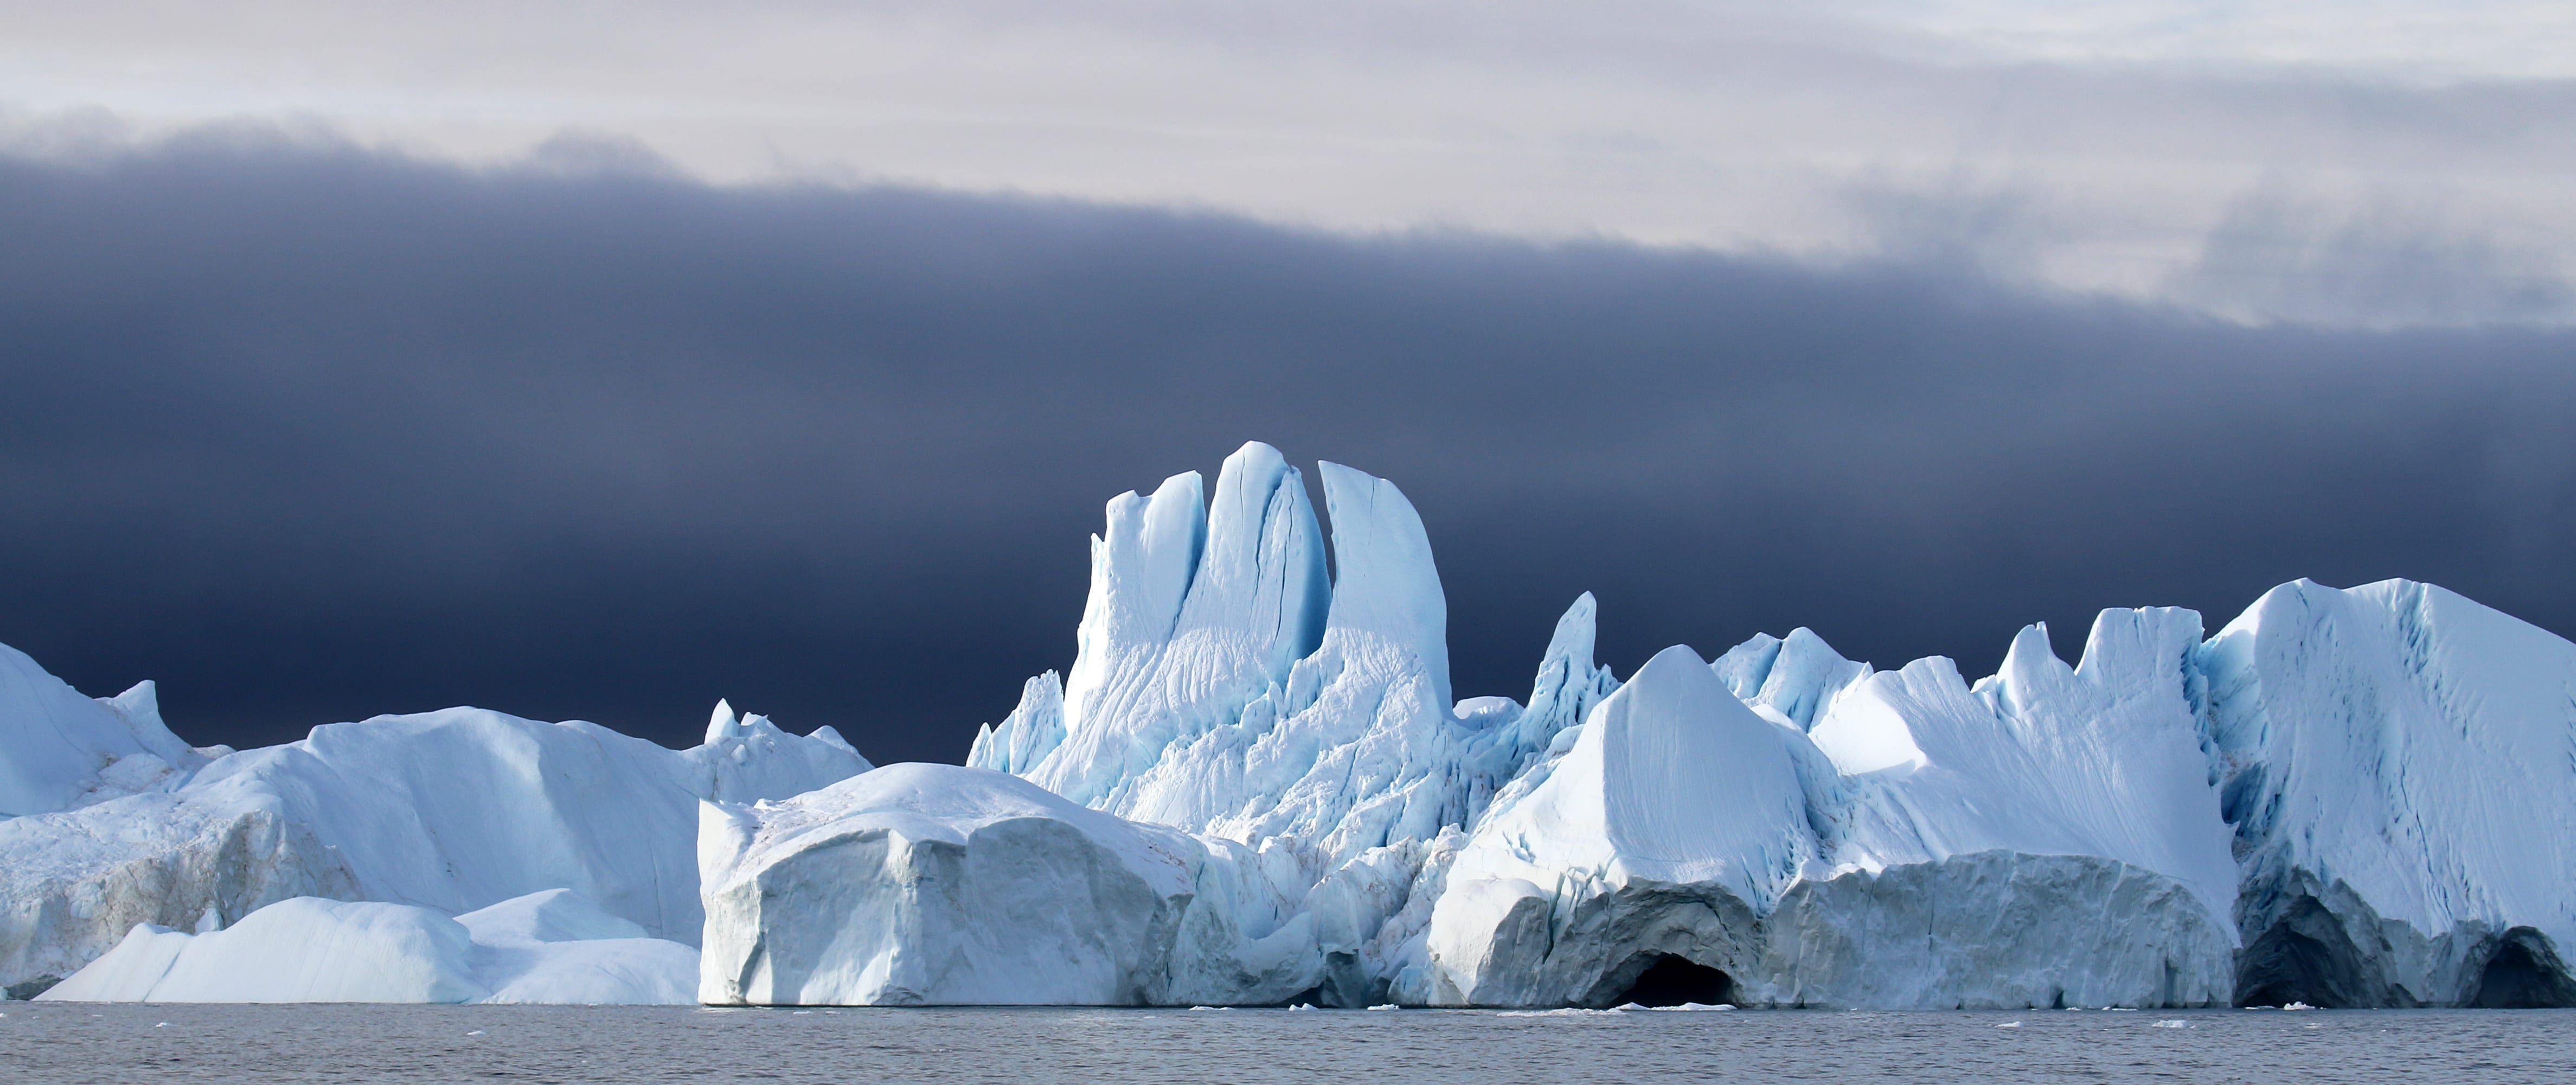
[
  {"x": 1674, "y": 980},
  {"x": 2304, "y": 957},
  {"x": 2523, "y": 975}
]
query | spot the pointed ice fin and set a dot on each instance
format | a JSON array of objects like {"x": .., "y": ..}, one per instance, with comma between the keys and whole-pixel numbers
[
  {"x": 1386, "y": 584},
  {"x": 722, "y": 724},
  {"x": 1141, "y": 570}
]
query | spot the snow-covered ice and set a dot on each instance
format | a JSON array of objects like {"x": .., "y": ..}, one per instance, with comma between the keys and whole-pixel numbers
[
  {"x": 2400, "y": 766},
  {"x": 451, "y": 810},
  {"x": 1672, "y": 823},
  {"x": 549, "y": 947}
]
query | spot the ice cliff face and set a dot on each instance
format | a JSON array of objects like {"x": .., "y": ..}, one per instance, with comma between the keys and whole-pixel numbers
[
  {"x": 450, "y": 811},
  {"x": 2400, "y": 766},
  {"x": 934, "y": 884}
]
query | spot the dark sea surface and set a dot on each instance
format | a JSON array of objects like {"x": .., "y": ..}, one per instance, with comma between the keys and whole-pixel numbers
[{"x": 47, "y": 1043}]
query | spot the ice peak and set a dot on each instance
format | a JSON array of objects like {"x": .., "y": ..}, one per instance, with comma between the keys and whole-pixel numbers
[
  {"x": 140, "y": 707},
  {"x": 1567, "y": 686},
  {"x": 2031, "y": 672},
  {"x": 1141, "y": 569},
  {"x": 1033, "y": 730},
  {"x": 722, "y": 724},
  {"x": 1385, "y": 582},
  {"x": 1794, "y": 678},
  {"x": 1261, "y": 572}
]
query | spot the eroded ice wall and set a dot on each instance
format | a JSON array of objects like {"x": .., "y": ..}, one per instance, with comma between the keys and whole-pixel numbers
[{"x": 2400, "y": 766}]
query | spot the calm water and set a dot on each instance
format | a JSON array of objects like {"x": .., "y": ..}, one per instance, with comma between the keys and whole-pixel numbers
[{"x": 60, "y": 1043}]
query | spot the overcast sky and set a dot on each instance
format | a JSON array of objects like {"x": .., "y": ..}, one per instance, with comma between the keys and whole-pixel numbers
[
  {"x": 2346, "y": 162},
  {"x": 602, "y": 361}
]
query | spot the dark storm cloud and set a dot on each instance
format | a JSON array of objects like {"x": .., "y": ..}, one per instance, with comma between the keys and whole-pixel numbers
[{"x": 310, "y": 433}]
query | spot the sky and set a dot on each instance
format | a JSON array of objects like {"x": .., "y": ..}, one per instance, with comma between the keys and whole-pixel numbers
[{"x": 593, "y": 361}]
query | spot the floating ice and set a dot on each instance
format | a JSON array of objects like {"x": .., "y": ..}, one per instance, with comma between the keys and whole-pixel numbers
[
  {"x": 549, "y": 947},
  {"x": 449, "y": 810},
  {"x": 1254, "y": 786},
  {"x": 1781, "y": 826},
  {"x": 2400, "y": 766},
  {"x": 935, "y": 884}
]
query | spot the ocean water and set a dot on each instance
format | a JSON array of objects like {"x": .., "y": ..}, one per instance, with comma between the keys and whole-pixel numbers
[{"x": 48, "y": 1043}]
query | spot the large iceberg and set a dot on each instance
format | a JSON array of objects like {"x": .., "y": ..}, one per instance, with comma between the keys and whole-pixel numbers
[
  {"x": 451, "y": 811},
  {"x": 1929, "y": 845},
  {"x": 2400, "y": 766},
  {"x": 1254, "y": 786},
  {"x": 551, "y": 947},
  {"x": 2343, "y": 798}
]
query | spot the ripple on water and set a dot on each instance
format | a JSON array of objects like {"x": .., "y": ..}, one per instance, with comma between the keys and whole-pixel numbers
[{"x": 74, "y": 1045}]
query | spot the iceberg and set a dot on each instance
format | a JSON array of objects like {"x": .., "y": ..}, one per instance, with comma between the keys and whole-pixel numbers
[
  {"x": 451, "y": 811},
  {"x": 1254, "y": 785},
  {"x": 1691, "y": 847},
  {"x": 2399, "y": 764},
  {"x": 1673, "y": 821},
  {"x": 2051, "y": 794},
  {"x": 2162, "y": 823},
  {"x": 936, "y": 884},
  {"x": 550, "y": 947}
]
